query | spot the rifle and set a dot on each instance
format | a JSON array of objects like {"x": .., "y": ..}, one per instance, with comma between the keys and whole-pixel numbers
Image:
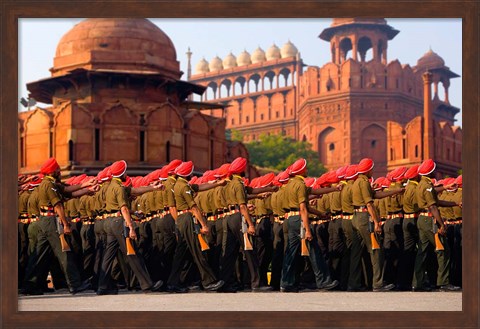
[
  {"x": 61, "y": 234},
  {"x": 128, "y": 241},
  {"x": 303, "y": 231},
  {"x": 203, "y": 244},
  {"x": 246, "y": 239},
  {"x": 438, "y": 243},
  {"x": 373, "y": 238}
]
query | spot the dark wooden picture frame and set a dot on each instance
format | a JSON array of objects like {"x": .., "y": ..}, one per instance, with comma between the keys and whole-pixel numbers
[{"x": 12, "y": 10}]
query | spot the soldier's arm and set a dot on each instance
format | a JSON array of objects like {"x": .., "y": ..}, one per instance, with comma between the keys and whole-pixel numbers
[
  {"x": 384, "y": 194},
  {"x": 61, "y": 215},
  {"x": 208, "y": 186},
  {"x": 443, "y": 203},
  {"x": 325, "y": 190},
  {"x": 436, "y": 214},
  {"x": 306, "y": 224},
  {"x": 262, "y": 190},
  {"x": 246, "y": 215}
]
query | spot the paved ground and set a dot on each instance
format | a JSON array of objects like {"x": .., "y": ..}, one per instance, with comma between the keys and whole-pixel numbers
[{"x": 272, "y": 301}]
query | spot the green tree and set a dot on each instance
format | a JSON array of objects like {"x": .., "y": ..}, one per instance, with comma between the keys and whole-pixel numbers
[{"x": 278, "y": 152}]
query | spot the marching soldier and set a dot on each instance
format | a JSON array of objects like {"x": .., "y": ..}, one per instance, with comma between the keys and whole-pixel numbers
[
  {"x": 50, "y": 203},
  {"x": 118, "y": 222},
  {"x": 456, "y": 268},
  {"x": 187, "y": 241},
  {"x": 365, "y": 216},
  {"x": 429, "y": 222},
  {"x": 296, "y": 200},
  {"x": 393, "y": 232}
]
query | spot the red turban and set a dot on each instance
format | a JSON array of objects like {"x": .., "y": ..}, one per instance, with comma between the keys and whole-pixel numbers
[
  {"x": 185, "y": 169},
  {"x": 222, "y": 171},
  {"x": 427, "y": 167},
  {"x": 127, "y": 182},
  {"x": 50, "y": 166},
  {"x": 118, "y": 168},
  {"x": 386, "y": 182},
  {"x": 398, "y": 174},
  {"x": 173, "y": 165},
  {"x": 331, "y": 177},
  {"x": 309, "y": 181},
  {"x": 266, "y": 180},
  {"x": 193, "y": 180},
  {"x": 378, "y": 183},
  {"x": 283, "y": 177},
  {"x": 411, "y": 172},
  {"x": 36, "y": 181},
  {"x": 351, "y": 171},
  {"x": 341, "y": 171},
  {"x": 365, "y": 165},
  {"x": 238, "y": 166},
  {"x": 459, "y": 181},
  {"x": 298, "y": 167}
]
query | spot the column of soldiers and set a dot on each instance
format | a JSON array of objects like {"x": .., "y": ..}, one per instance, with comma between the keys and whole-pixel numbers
[{"x": 169, "y": 231}]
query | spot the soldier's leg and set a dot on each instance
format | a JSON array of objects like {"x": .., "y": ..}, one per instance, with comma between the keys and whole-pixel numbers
[
  {"x": 410, "y": 235},
  {"x": 347, "y": 230},
  {"x": 456, "y": 274},
  {"x": 109, "y": 254},
  {"x": 292, "y": 249},
  {"x": 318, "y": 264},
  {"x": 443, "y": 258},
  {"x": 230, "y": 251},
  {"x": 136, "y": 261},
  {"x": 336, "y": 247},
  {"x": 277, "y": 259},
  {"x": 424, "y": 230},
  {"x": 264, "y": 246},
  {"x": 88, "y": 245},
  {"x": 169, "y": 243},
  {"x": 376, "y": 256},
  {"x": 355, "y": 277},
  {"x": 22, "y": 251}
]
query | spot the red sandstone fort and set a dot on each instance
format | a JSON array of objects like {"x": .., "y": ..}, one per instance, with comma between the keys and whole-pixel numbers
[{"x": 116, "y": 92}]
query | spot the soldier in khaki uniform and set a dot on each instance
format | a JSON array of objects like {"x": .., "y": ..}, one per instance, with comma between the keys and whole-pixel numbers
[
  {"x": 296, "y": 198},
  {"x": 393, "y": 231},
  {"x": 351, "y": 175},
  {"x": 23, "y": 223},
  {"x": 117, "y": 209},
  {"x": 278, "y": 235},
  {"x": 236, "y": 197},
  {"x": 188, "y": 244},
  {"x": 428, "y": 223},
  {"x": 365, "y": 216},
  {"x": 50, "y": 203}
]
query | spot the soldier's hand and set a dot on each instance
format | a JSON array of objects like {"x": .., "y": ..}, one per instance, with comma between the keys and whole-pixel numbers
[
  {"x": 275, "y": 188},
  {"x": 339, "y": 187},
  {"x": 442, "y": 230},
  {"x": 205, "y": 230},
  {"x": 460, "y": 204},
  {"x": 251, "y": 230},
  {"x": 308, "y": 235},
  {"x": 67, "y": 229},
  {"x": 132, "y": 235},
  {"x": 378, "y": 228},
  {"x": 90, "y": 182},
  {"x": 222, "y": 182}
]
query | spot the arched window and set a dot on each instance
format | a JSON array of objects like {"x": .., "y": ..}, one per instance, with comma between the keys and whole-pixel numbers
[
  {"x": 167, "y": 151},
  {"x": 331, "y": 147},
  {"x": 70, "y": 150},
  {"x": 416, "y": 151},
  {"x": 97, "y": 144},
  {"x": 142, "y": 145}
]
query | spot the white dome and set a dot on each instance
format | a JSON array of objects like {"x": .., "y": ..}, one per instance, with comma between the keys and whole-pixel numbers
[
  {"x": 289, "y": 50},
  {"x": 229, "y": 61},
  {"x": 244, "y": 58},
  {"x": 273, "y": 53},
  {"x": 215, "y": 64},
  {"x": 202, "y": 66},
  {"x": 258, "y": 56}
]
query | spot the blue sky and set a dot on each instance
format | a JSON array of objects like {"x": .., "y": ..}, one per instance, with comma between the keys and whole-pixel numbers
[{"x": 38, "y": 38}]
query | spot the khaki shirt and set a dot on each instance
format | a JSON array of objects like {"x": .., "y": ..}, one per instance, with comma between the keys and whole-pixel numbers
[
  {"x": 277, "y": 201},
  {"x": 446, "y": 212},
  {"x": 335, "y": 201},
  {"x": 296, "y": 192},
  {"x": 235, "y": 193},
  {"x": 49, "y": 193},
  {"x": 33, "y": 200},
  {"x": 362, "y": 191},
  {"x": 202, "y": 202},
  {"x": 394, "y": 203},
  {"x": 100, "y": 197},
  {"x": 168, "y": 196},
  {"x": 263, "y": 206},
  {"x": 116, "y": 196},
  {"x": 381, "y": 207},
  {"x": 219, "y": 197},
  {"x": 410, "y": 204},
  {"x": 23, "y": 202},
  {"x": 183, "y": 195},
  {"x": 457, "y": 197},
  {"x": 158, "y": 204},
  {"x": 323, "y": 204},
  {"x": 347, "y": 198},
  {"x": 426, "y": 194},
  {"x": 83, "y": 207}
]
